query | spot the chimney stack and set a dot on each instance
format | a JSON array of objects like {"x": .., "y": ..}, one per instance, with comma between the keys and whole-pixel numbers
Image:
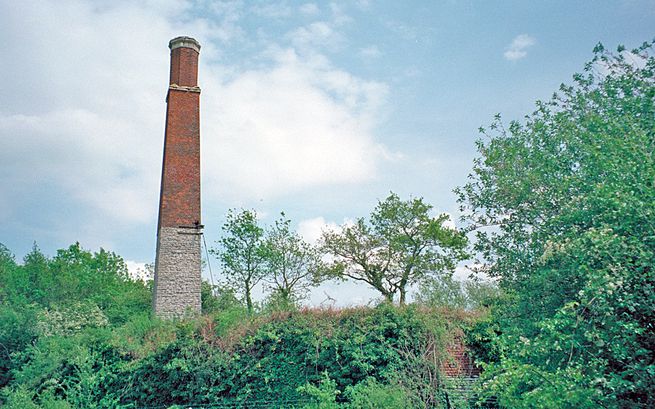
[{"x": 177, "y": 264}]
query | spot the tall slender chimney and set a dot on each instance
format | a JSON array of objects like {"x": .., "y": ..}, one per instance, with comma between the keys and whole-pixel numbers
[{"x": 177, "y": 266}]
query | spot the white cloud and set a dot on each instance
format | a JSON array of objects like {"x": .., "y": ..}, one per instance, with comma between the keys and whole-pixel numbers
[
  {"x": 312, "y": 229},
  {"x": 339, "y": 16},
  {"x": 519, "y": 46},
  {"x": 298, "y": 124},
  {"x": 370, "y": 52},
  {"x": 462, "y": 273},
  {"x": 85, "y": 155},
  {"x": 83, "y": 112},
  {"x": 363, "y": 4},
  {"x": 450, "y": 222},
  {"x": 406, "y": 32},
  {"x": 469, "y": 270}
]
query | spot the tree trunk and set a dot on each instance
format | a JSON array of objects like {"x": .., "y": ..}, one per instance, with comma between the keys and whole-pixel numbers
[
  {"x": 286, "y": 295},
  {"x": 402, "y": 288},
  {"x": 286, "y": 299},
  {"x": 248, "y": 298}
]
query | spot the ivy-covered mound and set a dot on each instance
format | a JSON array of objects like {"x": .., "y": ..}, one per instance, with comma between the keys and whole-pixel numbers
[{"x": 76, "y": 332}]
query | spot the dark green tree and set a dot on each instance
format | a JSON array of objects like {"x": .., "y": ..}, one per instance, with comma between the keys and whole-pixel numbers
[
  {"x": 563, "y": 205},
  {"x": 50, "y": 308},
  {"x": 400, "y": 244}
]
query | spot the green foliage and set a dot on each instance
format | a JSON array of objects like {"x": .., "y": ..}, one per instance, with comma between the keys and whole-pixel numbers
[
  {"x": 276, "y": 255},
  {"x": 564, "y": 206},
  {"x": 55, "y": 316},
  {"x": 325, "y": 393},
  {"x": 242, "y": 252},
  {"x": 279, "y": 301},
  {"x": 371, "y": 394},
  {"x": 19, "y": 398},
  {"x": 368, "y": 394},
  {"x": 217, "y": 298},
  {"x": 17, "y": 331},
  {"x": 293, "y": 265},
  {"x": 448, "y": 292},
  {"x": 71, "y": 319},
  {"x": 276, "y": 355},
  {"x": 64, "y": 349},
  {"x": 77, "y": 275},
  {"x": 398, "y": 246},
  {"x": 143, "y": 335}
]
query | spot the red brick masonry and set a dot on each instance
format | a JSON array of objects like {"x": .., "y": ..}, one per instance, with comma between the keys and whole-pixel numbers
[
  {"x": 184, "y": 67},
  {"x": 180, "y": 188},
  {"x": 458, "y": 362}
]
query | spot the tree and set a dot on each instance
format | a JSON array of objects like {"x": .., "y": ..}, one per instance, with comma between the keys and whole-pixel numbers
[
  {"x": 216, "y": 298},
  {"x": 472, "y": 294},
  {"x": 242, "y": 252},
  {"x": 45, "y": 299},
  {"x": 399, "y": 245},
  {"x": 563, "y": 205},
  {"x": 293, "y": 265}
]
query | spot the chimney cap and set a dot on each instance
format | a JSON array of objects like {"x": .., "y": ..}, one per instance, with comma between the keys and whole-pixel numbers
[{"x": 184, "y": 41}]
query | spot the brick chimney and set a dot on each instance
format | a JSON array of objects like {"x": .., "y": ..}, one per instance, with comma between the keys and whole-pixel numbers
[{"x": 177, "y": 266}]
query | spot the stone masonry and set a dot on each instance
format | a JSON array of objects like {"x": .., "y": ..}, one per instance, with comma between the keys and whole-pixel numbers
[{"x": 178, "y": 266}]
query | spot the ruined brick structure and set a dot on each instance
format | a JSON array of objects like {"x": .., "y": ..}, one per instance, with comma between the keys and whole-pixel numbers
[
  {"x": 177, "y": 266},
  {"x": 459, "y": 370},
  {"x": 458, "y": 362}
]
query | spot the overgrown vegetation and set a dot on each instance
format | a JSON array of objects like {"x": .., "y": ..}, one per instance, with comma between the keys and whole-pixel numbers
[
  {"x": 92, "y": 343},
  {"x": 563, "y": 206}
]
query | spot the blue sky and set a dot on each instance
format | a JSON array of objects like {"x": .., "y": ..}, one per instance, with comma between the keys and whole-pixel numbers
[{"x": 317, "y": 109}]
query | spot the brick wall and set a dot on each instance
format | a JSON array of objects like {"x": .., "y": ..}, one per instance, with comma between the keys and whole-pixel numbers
[
  {"x": 180, "y": 188},
  {"x": 458, "y": 362},
  {"x": 184, "y": 67}
]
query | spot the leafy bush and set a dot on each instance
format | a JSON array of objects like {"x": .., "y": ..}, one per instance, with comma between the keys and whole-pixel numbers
[
  {"x": 570, "y": 194},
  {"x": 325, "y": 394},
  {"x": 70, "y": 319},
  {"x": 371, "y": 394}
]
